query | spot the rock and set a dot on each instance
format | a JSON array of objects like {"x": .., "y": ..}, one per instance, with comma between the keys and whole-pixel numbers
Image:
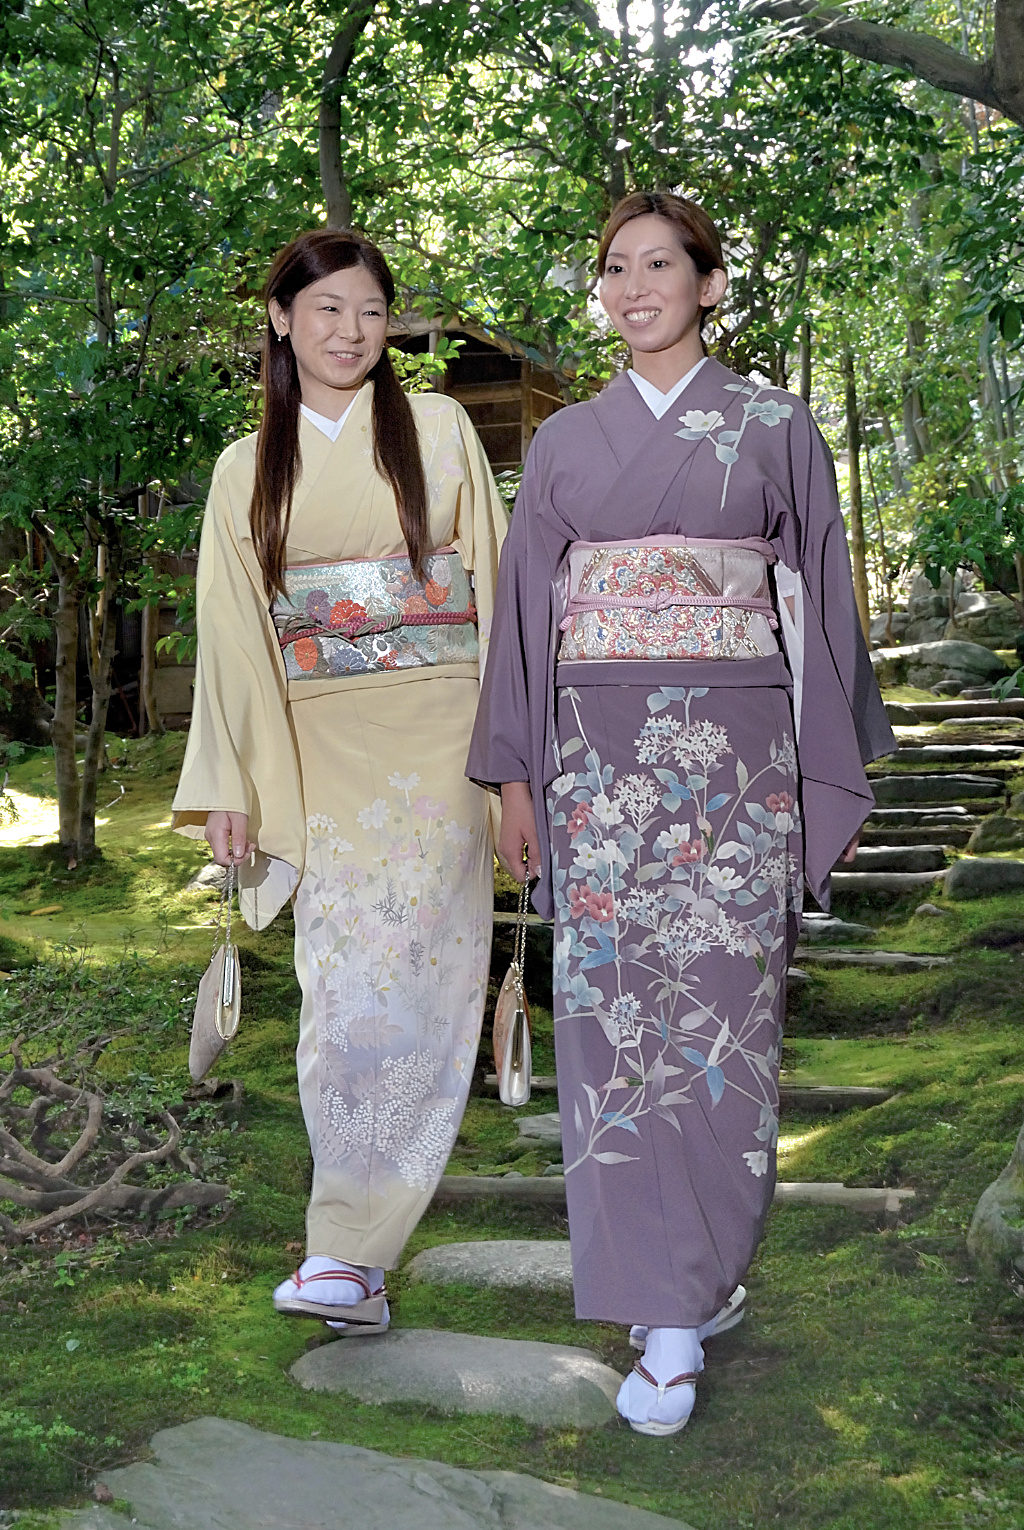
[
  {"x": 550, "y": 1385},
  {"x": 510, "y": 1265},
  {"x": 927, "y": 664},
  {"x": 543, "y": 1128},
  {"x": 828, "y": 1098},
  {"x": 891, "y": 882},
  {"x": 821, "y": 927},
  {"x": 913, "y": 818},
  {"x": 888, "y": 1202},
  {"x": 898, "y": 858},
  {"x": 209, "y": 878},
  {"x": 1017, "y": 802},
  {"x": 553, "y": 1169},
  {"x": 986, "y": 617},
  {"x": 980, "y": 878},
  {"x": 934, "y": 788},
  {"x": 996, "y": 1234},
  {"x": 885, "y": 630},
  {"x": 957, "y": 754},
  {"x": 901, "y": 716},
  {"x": 997, "y": 833},
  {"x": 907, "y": 961},
  {"x": 216, "y": 1474},
  {"x": 930, "y": 910}
]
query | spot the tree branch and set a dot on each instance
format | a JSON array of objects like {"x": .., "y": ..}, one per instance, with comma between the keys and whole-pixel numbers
[{"x": 997, "y": 82}]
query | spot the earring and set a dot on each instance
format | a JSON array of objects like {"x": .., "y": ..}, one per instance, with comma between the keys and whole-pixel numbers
[{"x": 280, "y": 335}]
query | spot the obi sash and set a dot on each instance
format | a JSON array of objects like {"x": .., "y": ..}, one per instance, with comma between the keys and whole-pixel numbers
[
  {"x": 669, "y": 597},
  {"x": 363, "y": 616}
]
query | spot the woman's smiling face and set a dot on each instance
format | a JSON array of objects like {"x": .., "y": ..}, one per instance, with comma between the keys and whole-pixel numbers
[
  {"x": 651, "y": 290},
  {"x": 338, "y": 328}
]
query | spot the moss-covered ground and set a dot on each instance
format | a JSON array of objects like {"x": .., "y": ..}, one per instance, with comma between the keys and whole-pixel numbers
[{"x": 875, "y": 1385}]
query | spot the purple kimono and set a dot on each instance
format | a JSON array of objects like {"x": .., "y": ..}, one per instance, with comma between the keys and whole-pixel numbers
[{"x": 679, "y": 819}]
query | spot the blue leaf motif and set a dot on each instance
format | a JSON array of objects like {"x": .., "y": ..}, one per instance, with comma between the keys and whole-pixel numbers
[
  {"x": 719, "y": 800},
  {"x": 697, "y": 1058},
  {"x": 730, "y": 437},
  {"x": 716, "y": 1083},
  {"x": 726, "y": 454},
  {"x": 616, "y": 1118}
]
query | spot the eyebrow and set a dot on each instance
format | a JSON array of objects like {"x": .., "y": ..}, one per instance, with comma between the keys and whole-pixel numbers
[
  {"x": 655, "y": 249},
  {"x": 336, "y": 297}
]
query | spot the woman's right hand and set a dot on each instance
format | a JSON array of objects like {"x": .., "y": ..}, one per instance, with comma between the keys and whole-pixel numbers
[
  {"x": 228, "y": 838},
  {"x": 518, "y": 832}
]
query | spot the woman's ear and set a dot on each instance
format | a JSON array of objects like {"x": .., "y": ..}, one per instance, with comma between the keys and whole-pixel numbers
[
  {"x": 278, "y": 317},
  {"x": 714, "y": 288}
]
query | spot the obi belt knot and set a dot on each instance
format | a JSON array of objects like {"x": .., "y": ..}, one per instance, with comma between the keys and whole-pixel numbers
[
  {"x": 668, "y": 598},
  {"x": 361, "y": 615}
]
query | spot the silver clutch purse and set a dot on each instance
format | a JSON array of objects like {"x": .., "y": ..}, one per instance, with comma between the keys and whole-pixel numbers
[
  {"x": 219, "y": 1000},
  {"x": 511, "y": 1035}
]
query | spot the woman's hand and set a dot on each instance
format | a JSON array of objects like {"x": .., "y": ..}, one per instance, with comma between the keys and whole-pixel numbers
[
  {"x": 228, "y": 838},
  {"x": 849, "y": 855},
  {"x": 518, "y": 832}
]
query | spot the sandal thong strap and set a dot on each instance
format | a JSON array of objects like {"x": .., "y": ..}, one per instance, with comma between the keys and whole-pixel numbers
[
  {"x": 357, "y": 1280},
  {"x": 685, "y": 1378}
]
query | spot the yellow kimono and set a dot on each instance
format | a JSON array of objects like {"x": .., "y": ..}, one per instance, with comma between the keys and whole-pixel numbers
[{"x": 356, "y": 795}]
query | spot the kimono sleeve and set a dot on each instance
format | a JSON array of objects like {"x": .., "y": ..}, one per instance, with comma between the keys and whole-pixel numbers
[
  {"x": 842, "y": 723},
  {"x": 481, "y": 524},
  {"x": 241, "y": 755}
]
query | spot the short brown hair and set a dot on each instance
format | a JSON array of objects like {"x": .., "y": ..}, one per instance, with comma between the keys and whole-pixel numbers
[{"x": 697, "y": 234}]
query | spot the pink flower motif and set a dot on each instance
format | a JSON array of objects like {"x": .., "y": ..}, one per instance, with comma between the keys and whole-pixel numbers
[
  {"x": 779, "y": 802},
  {"x": 579, "y": 820},
  {"x": 429, "y": 807},
  {"x": 688, "y": 852},
  {"x": 577, "y": 902},
  {"x": 600, "y": 906}
]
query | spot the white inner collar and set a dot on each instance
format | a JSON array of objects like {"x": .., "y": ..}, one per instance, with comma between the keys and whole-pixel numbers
[
  {"x": 330, "y": 428},
  {"x": 656, "y": 401}
]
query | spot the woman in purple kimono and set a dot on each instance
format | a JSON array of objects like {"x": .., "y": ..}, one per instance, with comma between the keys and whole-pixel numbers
[{"x": 674, "y": 776}]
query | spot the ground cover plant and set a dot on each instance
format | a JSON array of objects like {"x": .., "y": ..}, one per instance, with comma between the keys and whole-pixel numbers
[{"x": 876, "y": 1381}]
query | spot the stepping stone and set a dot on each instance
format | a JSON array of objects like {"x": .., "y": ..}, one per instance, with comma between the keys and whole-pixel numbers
[
  {"x": 997, "y": 832},
  {"x": 457, "y": 1188},
  {"x": 953, "y": 837},
  {"x": 983, "y": 878},
  {"x": 956, "y": 754},
  {"x": 943, "y": 711},
  {"x": 550, "y": 1385},
  {"x": 216, "y": 1474},
  {"x": 909, "y": 961},
  {"x": 898, "y": 858},
  {"x": 895, "y": 882},
  {"x": 901, "y": 716},
  {"x": 944, "y": 788},
  {"x": 828, "y": 1098},
  {"x": 912, "y": 818},
  {"x": 545, "y": 1129},
  {"x": 819, "y": 927},
  {"x": 507, "y": 1264}
]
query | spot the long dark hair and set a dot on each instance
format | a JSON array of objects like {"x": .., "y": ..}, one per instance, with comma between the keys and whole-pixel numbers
[
  {"x": 396, "y": 450},
  {"x": 696, "y": 233}
]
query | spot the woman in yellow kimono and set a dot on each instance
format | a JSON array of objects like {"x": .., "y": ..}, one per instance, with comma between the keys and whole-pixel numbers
[{"x": 344, "y": 597}]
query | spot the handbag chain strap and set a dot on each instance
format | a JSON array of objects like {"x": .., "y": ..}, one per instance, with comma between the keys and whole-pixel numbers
[
  {"x": 519, "y": 952},
  {"x": 227, "y": 894}
]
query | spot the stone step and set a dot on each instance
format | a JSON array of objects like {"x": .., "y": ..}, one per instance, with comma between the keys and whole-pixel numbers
[
  {"x": 817, "y": 928},
  {"x": 892, "y": 883},
  {"x": 925, "y": 817},
  {"x": 955, "y": 754},
  {"x": 906, "y": 961},
  {"x": 956, "y": 788},
  {"x": 896, "y": 858},
  {"x": 456, "y": 1189},
  {"x": 940, "y": 711},
  {"x": 815, "y": 1098},
  {"x": 954, "y": 837}
]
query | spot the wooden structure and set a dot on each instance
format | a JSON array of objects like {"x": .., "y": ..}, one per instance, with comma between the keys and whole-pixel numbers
[{"x": 504, "y": 387}]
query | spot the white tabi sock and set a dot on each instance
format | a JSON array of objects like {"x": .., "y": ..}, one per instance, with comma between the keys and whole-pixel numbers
[
  {"x": 670, "y": 1352},
  {"x": 331, "y": 1293}
]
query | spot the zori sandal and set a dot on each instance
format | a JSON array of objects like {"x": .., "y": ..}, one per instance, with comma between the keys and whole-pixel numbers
[{"x": 368, "y": 1312}]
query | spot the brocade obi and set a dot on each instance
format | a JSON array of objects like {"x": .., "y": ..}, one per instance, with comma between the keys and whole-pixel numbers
[
  {"x": 364, "y": 616},
  {"x": 669, "y": 598}
]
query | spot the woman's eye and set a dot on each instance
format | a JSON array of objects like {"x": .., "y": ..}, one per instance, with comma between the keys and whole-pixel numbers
[
  {"x": 613, "y": 270},
  {"x": 655, "y": 264}
]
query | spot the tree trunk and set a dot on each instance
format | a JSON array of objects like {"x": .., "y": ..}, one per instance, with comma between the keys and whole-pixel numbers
[
  {"x": 337, "y": 198},
  {"x": 101, "y": 688},
  {"x": 65, "y": 707},
  {"x": 858, "y": 549},
  {"x": 150, "y": 716},
  {"x": 805, "y": 361}
]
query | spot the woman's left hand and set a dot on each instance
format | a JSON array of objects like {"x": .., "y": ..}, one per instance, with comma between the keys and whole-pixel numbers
[{"x": 849, "y": 855}]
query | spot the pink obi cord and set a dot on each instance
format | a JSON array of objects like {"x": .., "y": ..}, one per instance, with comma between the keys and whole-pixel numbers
[{"x": 668, "y": 593}]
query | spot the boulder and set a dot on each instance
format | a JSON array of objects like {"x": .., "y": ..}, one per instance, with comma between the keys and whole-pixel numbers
[
  {"x": 996, "y": 833},
  {"x": 931, "y": 911},
  {"x": 901, "y": 716},
  {"x": 986, "y": 617},
  {"x": 928, "y": 663},
  {"x": 880, "y": 628},
  {"x": 996, "y": 1235},
  {"x": 209, "y": 878},
  {"x": 979, "y": 878},
  {"x": 549, "y": 1385}
]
